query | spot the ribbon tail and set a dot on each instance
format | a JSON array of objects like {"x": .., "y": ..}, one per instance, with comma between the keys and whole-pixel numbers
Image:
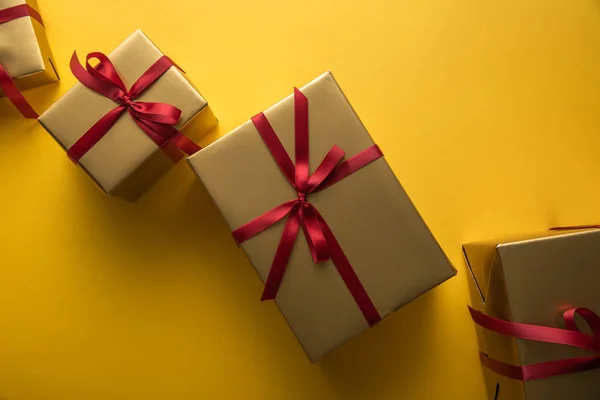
[
  {"x": 155, "y": 131},
  {"x": 317, "y": 243},
  {"x": 542, "y": 370},
  {"x": 165, "y": 135},
  {"x": 15, "y": 96},
  {"x": 284, "y": 250},
  {"x": 185, "y": 144},
  {"x": 344, "y": 268},
  {"x": 94, "y": 134}
]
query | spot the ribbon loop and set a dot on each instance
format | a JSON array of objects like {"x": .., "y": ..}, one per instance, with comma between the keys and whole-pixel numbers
[
  {"x": 104, "y": 70},
  {"x": 321, "y": 241},
  {"x": 94, "y": 80},
  {"x": 591, "y": 318}
]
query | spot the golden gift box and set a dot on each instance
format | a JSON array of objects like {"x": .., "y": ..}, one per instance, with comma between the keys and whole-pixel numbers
[
  {"x": 534, "y": 279},
  {"x": 393, "y": 255},
  {"x": 25, "y": 56},
  {"x": 24, "y": 51},
  {"x": 126, "y": 161}
]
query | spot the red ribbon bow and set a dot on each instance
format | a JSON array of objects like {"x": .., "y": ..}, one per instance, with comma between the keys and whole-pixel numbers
[
  {"x": 155, "y": 119},
  {"x": 322, "y": 243},
  {"x": 571, "y": 336},
  {"x": 6, "y": 83}
]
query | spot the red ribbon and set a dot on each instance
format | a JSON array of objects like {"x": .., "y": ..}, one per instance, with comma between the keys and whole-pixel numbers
[
  {"x": 571, "y": 336},
  {"x": 321, "y": 240},
  {"x": 155, "y": 119},
  {"x": 6, "y": 83},
  {"x": 20, "y": 11}
]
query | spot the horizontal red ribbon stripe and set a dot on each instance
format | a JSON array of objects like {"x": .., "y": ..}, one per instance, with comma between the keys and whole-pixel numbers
[
  {"x": 7, "y": 85},
  {"x": 155, "y": 119},
  {"x": 571, "y": 336},
  {"x": 20, "y": 11},
  {"x": 301, "y": 213}
]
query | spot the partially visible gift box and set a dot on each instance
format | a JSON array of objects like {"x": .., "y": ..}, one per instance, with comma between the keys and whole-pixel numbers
[
  {"x": 123, "y": 121},
  {"x": 25, "y": 58},
  {"x": 369, "y": 252},
  {"x": 541, "y": 280}
]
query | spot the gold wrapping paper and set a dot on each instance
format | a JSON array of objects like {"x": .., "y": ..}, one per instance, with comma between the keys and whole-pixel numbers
[
  {"x": 24, "y": 50},
  {"x": 390, "y": 247},
  {"x": 126, "y": 161},
  {"x": 533, "y": 280}
]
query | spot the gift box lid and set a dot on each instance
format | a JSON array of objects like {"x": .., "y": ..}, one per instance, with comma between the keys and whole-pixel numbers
[
  {"x": 533, "y": 280},
  {"x": 387, "y": 242}
]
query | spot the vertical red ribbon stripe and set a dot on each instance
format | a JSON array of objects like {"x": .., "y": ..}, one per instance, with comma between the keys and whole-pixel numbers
[
  {"x": 301, "y": 213},
  {"x": 7, "y": 85},
  {"x": 155, "y": 119},
  {"x": 571, "y": 336}
]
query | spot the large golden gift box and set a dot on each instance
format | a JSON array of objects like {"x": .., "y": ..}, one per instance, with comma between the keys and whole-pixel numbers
[
  {"x": 534, "y": 279},
  {"x": 24, "y": 49},
  {"x": 125, "y": 162},
  {"x": 383, "y": 236}
]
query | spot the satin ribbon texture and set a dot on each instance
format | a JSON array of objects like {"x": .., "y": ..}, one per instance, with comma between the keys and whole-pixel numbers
[
  {"x": 155, "y": 119},
  {"x": 7, "y": 85},
  {"x": 571, "y": 336},
  {"x": 301, "y": 213}
]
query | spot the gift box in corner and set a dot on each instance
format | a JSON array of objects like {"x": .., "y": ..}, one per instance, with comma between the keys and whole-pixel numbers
[
  {"x": 535, "y": 301},
  {"x": 130, "y": 117},
  {"x": 367, "y": 251},
  {"x": 25, "y": 58}
]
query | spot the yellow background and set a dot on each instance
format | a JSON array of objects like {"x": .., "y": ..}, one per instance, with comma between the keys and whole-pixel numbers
[{"x": 486, "y": 110}]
